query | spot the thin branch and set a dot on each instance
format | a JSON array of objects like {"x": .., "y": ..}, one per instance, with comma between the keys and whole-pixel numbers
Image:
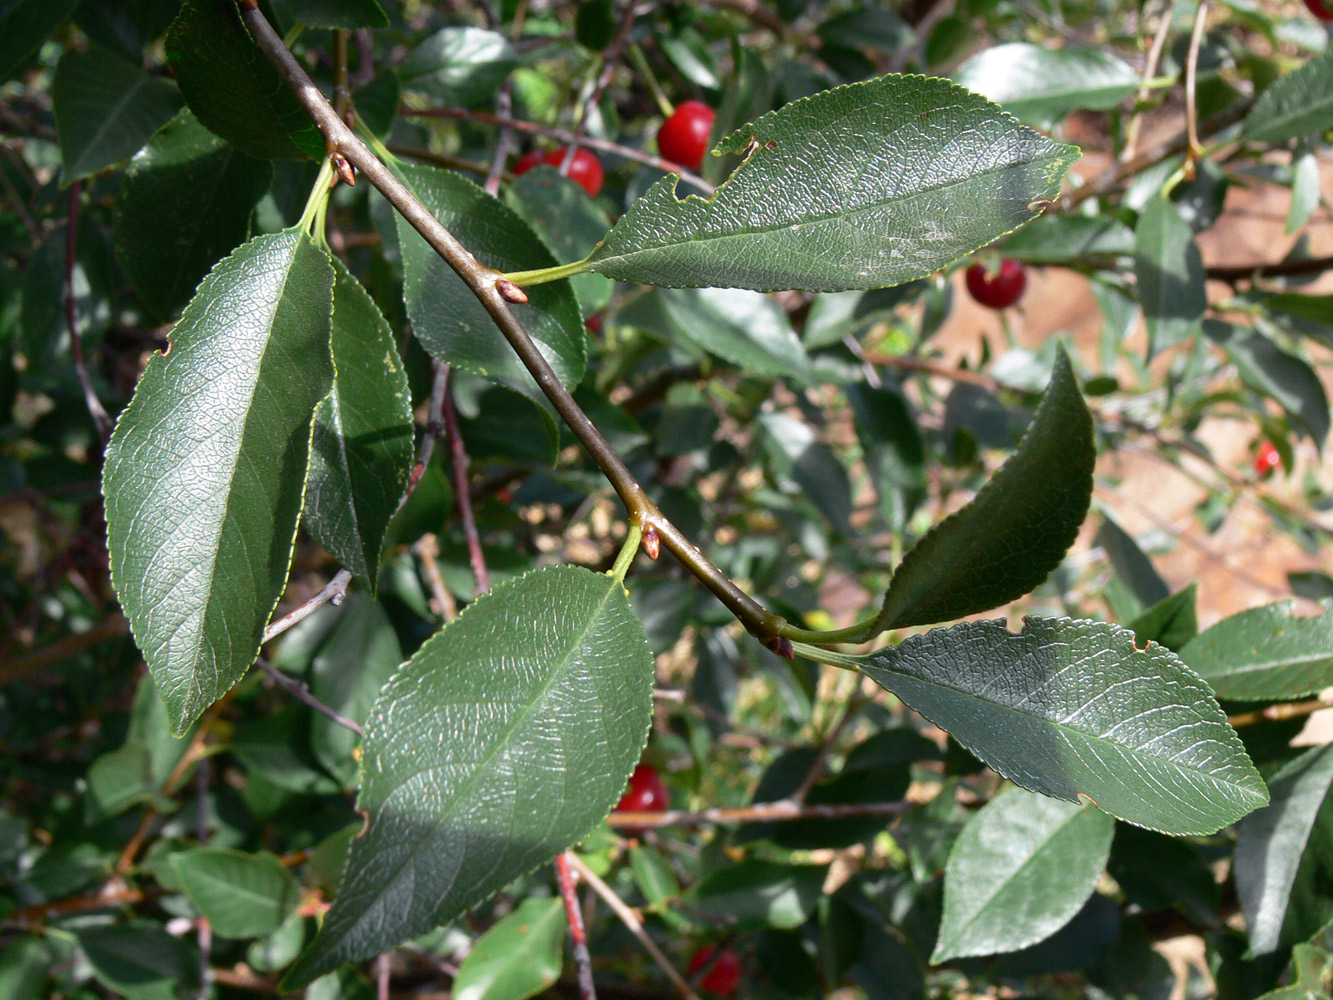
[
  {"x": 482, "y": 281},
  {"x": 427, "y": 549},
  {"x": 765, "y": 812},
  {"x": 1278, "y": 712},
  {"x": 1193, "y": 151},
  {"x": 101, "y": 420},
  {"x": 333, "y": 593},
  {"x": 342, "y": 92},
  {"x": 439, "y": 159},
  {"x": 463, "y": 497},
  {"x": 111, "y": 627},
  {"x": 301, "y": 692},
  {"x": 1149, "y": 71},
  {"x": 633, "y": 923},
  {"x": 564, "y": 136},
  {"x": 578, "y": 936},
  {"x": 609, "y": 60},
  {"x": 853, "y": 706}
]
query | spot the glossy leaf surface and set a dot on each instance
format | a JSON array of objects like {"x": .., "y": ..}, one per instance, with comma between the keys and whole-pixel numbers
[
  {"x": 1073, "y": 710},
  {"x": 1299, "y": 104},
  {"x": 1282, "y": 376},
  {"x": 863, "y": 186},
  {"x": 519, "y": 955},
  {"x": 233, "y": 89},
  {"x": 759, "y": 893},
  {"x": 205, "y": 472},
  {"x": 1042, "y": 85},
  {"x": 362, "y": 451},
  {"x": 106, "y": 108},
  {"x": 185, "y": 202},
  {"x": 1265, "y": 653},
  {"x": 1170, "y": 274},
  {"x": 447, "y": 318},
  {"x": 459, "y": 66},
  {"x": 506, "y": 738},
  {"x": 1015, "y": 531},
  {"x": 241, "y": 895},
  {"x": 1284, "y": 855},
  {"x": 1019, "y": 871}
]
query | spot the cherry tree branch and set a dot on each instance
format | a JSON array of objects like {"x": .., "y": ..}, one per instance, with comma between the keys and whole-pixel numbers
[
  {"x": 578, "y": 935},
  {"x": 485, "y": 284}
]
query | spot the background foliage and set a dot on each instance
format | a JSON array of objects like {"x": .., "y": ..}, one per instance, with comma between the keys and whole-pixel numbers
[{"x": 972, "y": 810}]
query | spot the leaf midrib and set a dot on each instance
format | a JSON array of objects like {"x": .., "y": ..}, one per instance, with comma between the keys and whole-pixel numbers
[
  {"x": 814, "y": 220},
  {"x": 484, "y": 763},
  {"x": 110, "y": 118},
  {"x": 1063, "y": 725}
]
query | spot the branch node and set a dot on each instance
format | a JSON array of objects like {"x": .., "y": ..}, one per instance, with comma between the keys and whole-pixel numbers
[{"x": 510, "y": 292}]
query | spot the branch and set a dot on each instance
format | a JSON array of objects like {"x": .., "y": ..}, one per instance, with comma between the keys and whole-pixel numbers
[
  {"x": 333, "y": 593},
  {"x": 301, "y": 692},
  {"x": 578, "y": 936},
  {"x": 101, "y": 420},
  {"x": 767, "y": 812},
  {"x": 633, "y": 923},
  {"x": 482, "y": 281},
  {"x": 463, "y": 497},
  {"x": 563, "y": 136}
]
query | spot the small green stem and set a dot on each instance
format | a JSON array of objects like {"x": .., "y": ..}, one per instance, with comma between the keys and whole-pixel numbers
[
  {"x": 862, "y": 631},
  {"x": 312, "y": 218},
  {"x": 829, "y": 656},
  {"x": 541, "y": 275},
  {"x": 627, "y": 553},
  {"x": 641, "y": 64}
]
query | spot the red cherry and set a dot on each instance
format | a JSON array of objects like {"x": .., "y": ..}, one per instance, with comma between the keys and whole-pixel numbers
[
  {"x": 999, "y": 290},
  {"x": 683, "y": 138},
  {"x": 585, "y": 170},
  {"x": 1320, "y": 9},
  {"x": 724, "y": 976},
  {"x": 645, "y": 791},
  {"x": 1267, "y": 459}
]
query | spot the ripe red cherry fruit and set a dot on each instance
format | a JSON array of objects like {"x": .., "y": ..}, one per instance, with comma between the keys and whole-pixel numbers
[
  {"x": 683, "y": 138},
  {"x": 645, "y": 791},
  {"x": 585, "y": 170},
  {"x": 724, "y": 976},
  {"x": 1320, "y": 9},
  {"x": 1000, "y": 289},
  {"x": 1267, "y": 459}
]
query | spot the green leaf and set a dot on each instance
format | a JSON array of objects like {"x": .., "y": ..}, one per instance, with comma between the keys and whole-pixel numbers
[
  {"x": 1042, "y": 85},
  {"x": 1015, "y": 531},
  {"x": 1059, "y": 239},
  {"x": 1172, "y": 621},
  {"x": 24, "y": 25},
  {"x": 140, "y": 960},
  {"x": 205, "y": 471},
  {"x": 518, "y": 957},
  {"x": 1299, "y": 104},
  {"x": 1265, "y": 654},
  {"x": 1019, "y": 871},
  {"x": 895, "y": 453},
  {"x": 24, "y": 966},
  {"x": 241, "y": 895},
  {"x": 1305, "y": 190},
  {"x": 447, "y": 318},
  {"x": 1284, "y": 855},
  {"x": 1314, "y": 976},
  {"x": 233, "y": 89},
  {"x": 106, "y": 108},
  {"x": 1277, "y": 374},
  {"x": 360, "y": 654},
  {"x": 798, "y": 457},
  {"x": 506, "y": 738},
  {"x": 743, "y": 327},
  {"x": 121, "y": 779},
  {"x": 459, "y": 66},
  {"x": 756, "y": 893},
  {"x": 185, "y": 202},
  {"x": 1073, "y": 710},
  {"x": 1170, "y": 275},
  {"x": 568, "y": 221},
  {"x": 362, "y": 451},
  {"x": 863, "y": 186},
  {"x": 1155, "y": 872},
  {"x": 332, "y": 13},
  {"x": 1136, "y": 585}
]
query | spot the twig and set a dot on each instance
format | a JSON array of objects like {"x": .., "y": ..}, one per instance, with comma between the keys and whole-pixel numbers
[
  {"x": 301, "y": 692},
  {"x": 439, "y": 159},
  {"x": 462, "y": 497},
  {"x": 427, "y": 549},
  {"x": 766, "y": 812},
  {"x": 853, "y": 706},
  {"x": 563, "y": 136},
  {"x": 342, "y": 92},
  {"x": 483, "y": 281},
  {"x": 1233, "y": 273},
  {"x": 504, "y": 103},
  {"x": 1193, "y": 151},
  {"x": 609, "y": 61},
  {"x": 204, "y": 930},
  {"x": 111, "y": 627},
  {"x": 633, "y": 923},
  {"x": 1149, "y": 71},
  {"x": 191, "y": 755},
  {"x": 578, "y": 936},
  {"x": 1278, "y": 712},
  {"x": 382, "y": 973},
  {"x": 101, "y": 420},
  {"x": 333, "y": 593}
]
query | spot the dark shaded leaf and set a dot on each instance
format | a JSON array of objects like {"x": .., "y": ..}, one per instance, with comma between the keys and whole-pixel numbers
[
  {"x": 24, "y": 25},
  {"x": 1277, "y": 374},
  {"x": 1170, "y": 275},
  {"x": 332, "y": 13}
]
